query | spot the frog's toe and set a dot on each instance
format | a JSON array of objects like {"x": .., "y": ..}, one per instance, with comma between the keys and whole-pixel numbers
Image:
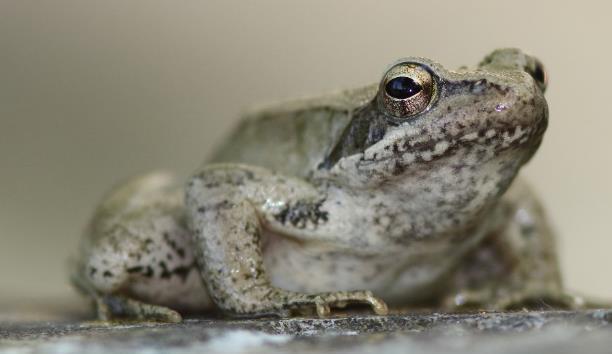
[
  {"x": 111, "y": 307},
  {"x": 323, "y": 309},
  {"x": 379, "y": 306},
  {"x": 367, "y": 297},
  {"x": 324, "y": 302}
]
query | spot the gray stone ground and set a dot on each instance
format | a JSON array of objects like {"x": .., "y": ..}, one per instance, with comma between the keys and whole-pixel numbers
[{"x": 512, "y": 332}]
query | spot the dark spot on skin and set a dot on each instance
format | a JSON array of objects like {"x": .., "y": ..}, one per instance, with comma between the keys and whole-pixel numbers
[
  {"x": 201, "y": 210},
  {"x": 136, "y": 269},
  {"x": 302, "y": 212},
  {"x": 165, "y": 273},
  {"x": 172, "y": 243},
  {"x": 259, "y": 272},
  {"x": 92, "y": 271},
  {"x": 148, "y": 272},
  {"x": 212, "y": 185},
  {"x": 107, "y": 274},
  {"x": 376, "y": 134},
  {"x": 367, "y": 127},
  {"x": 182, "y": 271},
  {"x": 398, "y": 168}
]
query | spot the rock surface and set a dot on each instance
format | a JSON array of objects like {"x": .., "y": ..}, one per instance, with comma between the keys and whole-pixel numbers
[{"x": 511, "y": 332}]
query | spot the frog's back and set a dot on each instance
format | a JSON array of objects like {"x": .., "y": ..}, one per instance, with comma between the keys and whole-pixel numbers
[{"x": 293, "y": 138}]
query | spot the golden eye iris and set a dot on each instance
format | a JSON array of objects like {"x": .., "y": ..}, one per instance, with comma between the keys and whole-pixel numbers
[{"x": 407, "y": 89}]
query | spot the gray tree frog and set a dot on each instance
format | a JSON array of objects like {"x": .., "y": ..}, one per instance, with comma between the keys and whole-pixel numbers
[{"x": 397, "y": 193}]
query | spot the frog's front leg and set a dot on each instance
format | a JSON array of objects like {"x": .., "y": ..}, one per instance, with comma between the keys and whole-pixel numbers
[
  {"x": 229, "y": 207},
  {"x": 515, "y": 266}
]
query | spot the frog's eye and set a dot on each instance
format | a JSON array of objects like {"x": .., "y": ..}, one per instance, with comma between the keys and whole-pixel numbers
[
  {"x": 407, "y": 89},
  {"x": 537, "y": 71}
]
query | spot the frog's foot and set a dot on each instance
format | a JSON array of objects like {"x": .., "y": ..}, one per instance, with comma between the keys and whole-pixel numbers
[
  {"x": 324, "y": 302},
  {"x": 114, "y": 307}
]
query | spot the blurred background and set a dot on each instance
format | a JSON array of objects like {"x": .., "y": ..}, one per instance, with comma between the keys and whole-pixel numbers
[{"x": 94, "y": 92}]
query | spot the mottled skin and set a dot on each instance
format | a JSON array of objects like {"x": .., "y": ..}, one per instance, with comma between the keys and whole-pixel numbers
[{"x": 324, "y": 202}]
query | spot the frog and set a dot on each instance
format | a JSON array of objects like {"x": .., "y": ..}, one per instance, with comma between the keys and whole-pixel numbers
[{"x": 402, "y": 193}]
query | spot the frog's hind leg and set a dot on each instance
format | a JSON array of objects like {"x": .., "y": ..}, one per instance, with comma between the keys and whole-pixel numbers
[
  {"x": 515, "y": 266},
  {"x": 117, "y": 307},
  {"x": 136, "y": 259}
]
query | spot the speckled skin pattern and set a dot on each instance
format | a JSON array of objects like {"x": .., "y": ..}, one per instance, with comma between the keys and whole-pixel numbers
[{"x": 321, "y": 203}]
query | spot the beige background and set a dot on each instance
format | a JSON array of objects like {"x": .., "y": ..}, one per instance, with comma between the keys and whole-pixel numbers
[{"x": 93, "y": 92}]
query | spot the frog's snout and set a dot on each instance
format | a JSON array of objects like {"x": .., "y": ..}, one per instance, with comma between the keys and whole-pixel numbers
[{"x": 513, "y": 58}]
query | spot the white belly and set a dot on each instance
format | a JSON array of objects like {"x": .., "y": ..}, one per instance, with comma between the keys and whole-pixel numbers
[{"x": 400, "y": 278}]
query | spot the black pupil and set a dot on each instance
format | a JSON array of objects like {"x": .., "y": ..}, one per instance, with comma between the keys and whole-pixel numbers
[
  {"x": 538, "y": 73},
  {"x": 402, "y": 87}
]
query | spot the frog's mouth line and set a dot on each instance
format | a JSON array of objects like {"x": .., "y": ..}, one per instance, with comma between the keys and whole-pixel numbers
[{"x": 427, "y": 152}]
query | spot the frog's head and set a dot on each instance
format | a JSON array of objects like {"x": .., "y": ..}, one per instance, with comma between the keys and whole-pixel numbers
[{"x": 449, "y": 139}]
